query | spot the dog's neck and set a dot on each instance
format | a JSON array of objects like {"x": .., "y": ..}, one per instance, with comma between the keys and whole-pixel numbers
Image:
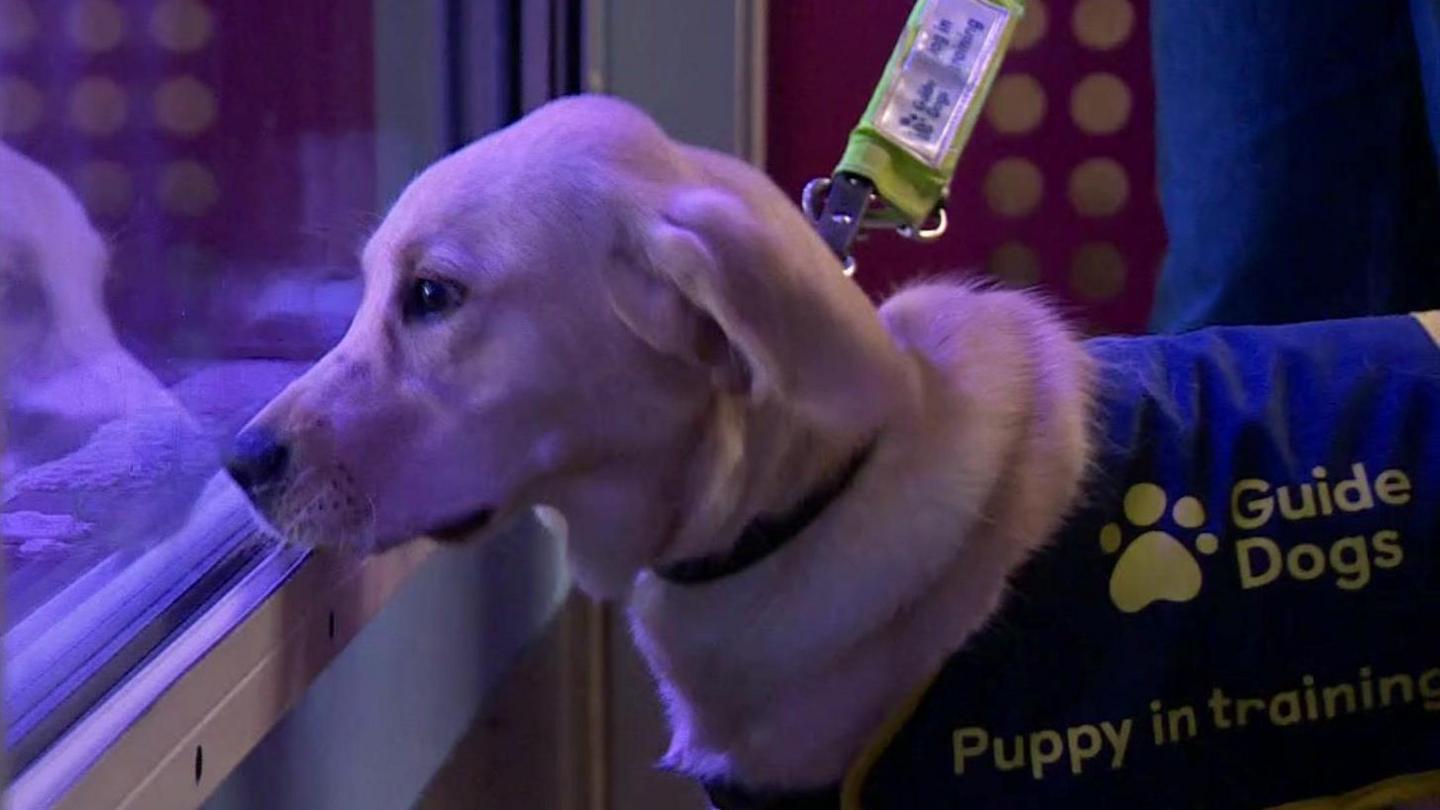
[
  {"x": 768, "y": 534},
  {"x": 749, "y": 463}
]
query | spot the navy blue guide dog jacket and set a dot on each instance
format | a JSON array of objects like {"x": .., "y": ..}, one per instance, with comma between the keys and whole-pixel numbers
[{"x": 1244, "y": 612}]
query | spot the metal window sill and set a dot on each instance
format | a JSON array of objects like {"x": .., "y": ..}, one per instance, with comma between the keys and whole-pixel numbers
[{"x": 168, "y": 735}]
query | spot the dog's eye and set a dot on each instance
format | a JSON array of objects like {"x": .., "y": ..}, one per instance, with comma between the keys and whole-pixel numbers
[{"x": 429, "y": 299}]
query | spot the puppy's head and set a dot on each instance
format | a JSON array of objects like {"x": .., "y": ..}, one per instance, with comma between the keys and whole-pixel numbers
[{"x": 556, "y": 314}]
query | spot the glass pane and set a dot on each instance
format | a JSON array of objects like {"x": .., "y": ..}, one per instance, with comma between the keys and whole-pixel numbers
[{"x": 183, "y": 188}]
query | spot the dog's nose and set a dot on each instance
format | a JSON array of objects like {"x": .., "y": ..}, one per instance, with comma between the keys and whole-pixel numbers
[{"x": 257, "y": 459}]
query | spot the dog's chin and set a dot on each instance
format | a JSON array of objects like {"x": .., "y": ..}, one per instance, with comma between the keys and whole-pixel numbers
[
  {"x": 262, "y": 521},
  {"x": 347, "y": 533},
  {"x": 352, "y": 539},
  {"x": 465, "y": 528}
]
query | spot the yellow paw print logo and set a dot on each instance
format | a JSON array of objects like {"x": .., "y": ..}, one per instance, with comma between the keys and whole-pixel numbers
[{"x": 1155, "y": 566}]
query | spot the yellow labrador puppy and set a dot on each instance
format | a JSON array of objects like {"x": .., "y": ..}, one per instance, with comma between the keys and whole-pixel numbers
[{"x": 581, "y": 313}]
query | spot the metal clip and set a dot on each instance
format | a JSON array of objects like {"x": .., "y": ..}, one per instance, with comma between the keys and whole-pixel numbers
[
  {"x": 851, "y": 205},
  {"x": 840, "y": 217}
]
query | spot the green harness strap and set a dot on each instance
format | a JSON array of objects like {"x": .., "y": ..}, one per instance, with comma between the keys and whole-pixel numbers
[{"x": 900, "y": 158}]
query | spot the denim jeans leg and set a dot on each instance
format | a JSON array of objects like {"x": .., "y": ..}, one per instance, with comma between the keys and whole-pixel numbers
[{"x": 1298, "y": 177}]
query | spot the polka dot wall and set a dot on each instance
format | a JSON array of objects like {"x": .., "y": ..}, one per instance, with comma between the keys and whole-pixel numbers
[
  {"x": 119, "y": 98},
  {"x": 1056, "y": 189},
  {"x": 192, "y": 135},
  {"x": 89, "y": 86}
]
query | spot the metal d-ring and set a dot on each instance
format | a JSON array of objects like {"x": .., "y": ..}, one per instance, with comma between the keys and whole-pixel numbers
[{"x": 927, "y": 232}]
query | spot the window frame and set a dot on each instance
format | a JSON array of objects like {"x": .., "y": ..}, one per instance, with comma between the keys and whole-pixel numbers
[{"x": 228, "y": 672}]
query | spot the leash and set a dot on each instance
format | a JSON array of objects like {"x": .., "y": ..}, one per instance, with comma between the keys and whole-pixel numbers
[{"x": 897, "y": 166}]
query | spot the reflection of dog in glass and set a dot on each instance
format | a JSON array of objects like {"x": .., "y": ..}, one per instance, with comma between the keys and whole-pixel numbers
[{"x": 93, "y": 440}]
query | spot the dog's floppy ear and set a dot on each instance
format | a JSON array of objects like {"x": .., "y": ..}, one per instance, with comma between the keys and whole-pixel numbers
[
  {"x": 773, "y": 314},
  {"x": 661, "y": 315},
  {"x": 683, "y": 291}
]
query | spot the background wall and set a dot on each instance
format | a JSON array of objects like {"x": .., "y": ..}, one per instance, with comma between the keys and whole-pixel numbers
[
  {"x": 1057, "y": 187},
  {"x": 212, "y": 145}
]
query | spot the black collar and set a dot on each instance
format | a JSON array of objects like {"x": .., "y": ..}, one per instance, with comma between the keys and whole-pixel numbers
[
  {"x": 766, "y": 535},
  {"x": 730, "y": 797}
]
